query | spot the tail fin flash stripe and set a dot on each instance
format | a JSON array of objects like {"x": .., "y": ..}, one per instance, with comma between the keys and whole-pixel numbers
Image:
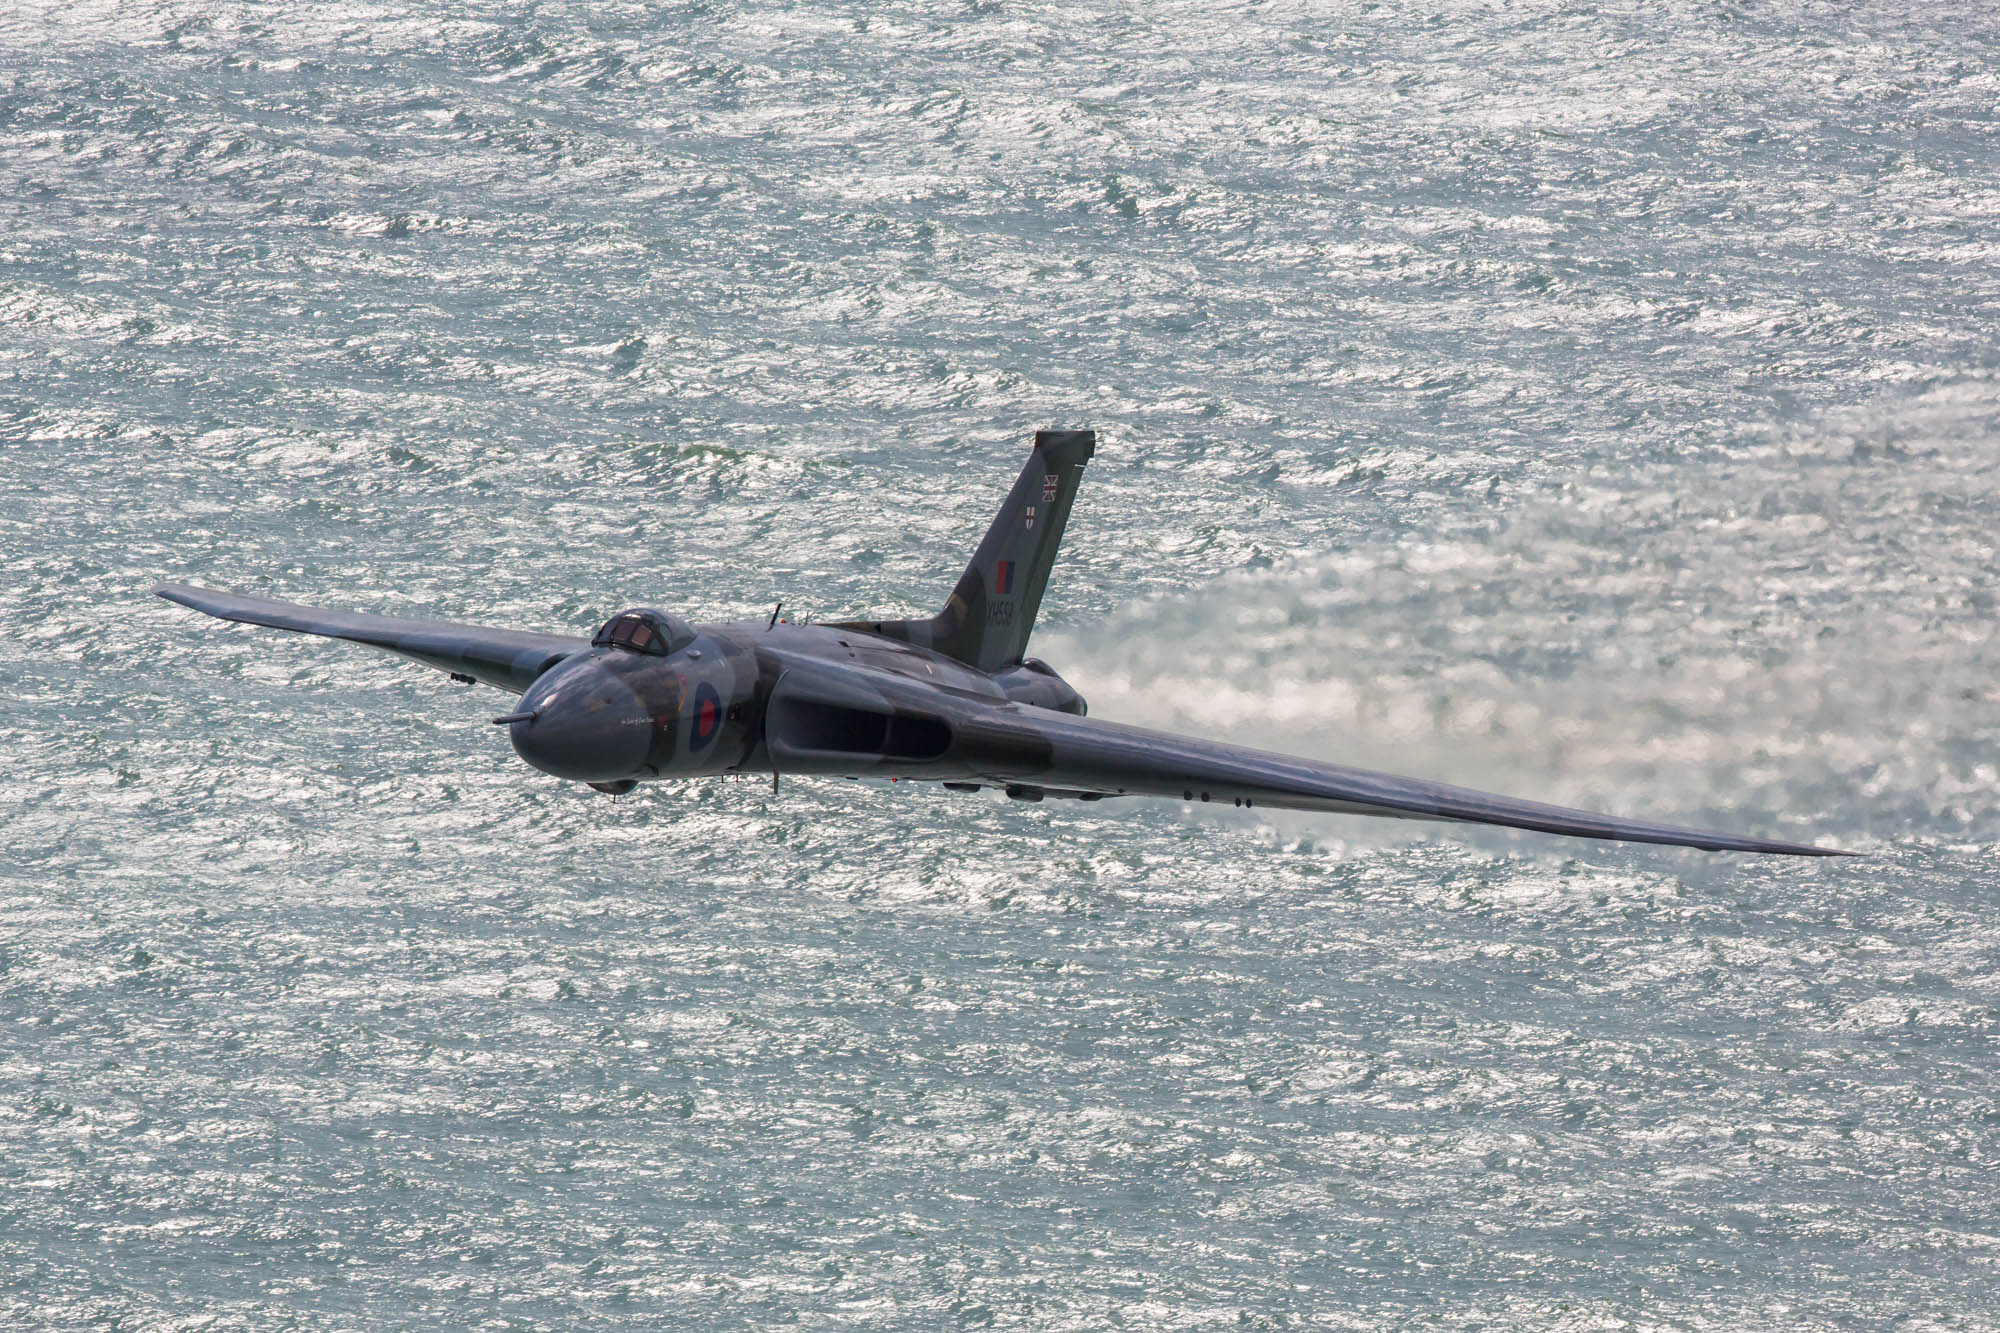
[{"x": 990, "y": 614}]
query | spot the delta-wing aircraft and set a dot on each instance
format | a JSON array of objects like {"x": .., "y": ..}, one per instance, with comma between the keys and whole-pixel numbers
[{"x": 952, "y": 699}]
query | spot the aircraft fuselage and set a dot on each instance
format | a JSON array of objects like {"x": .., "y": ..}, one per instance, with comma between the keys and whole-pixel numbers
[{"x": 610, "y": 716}]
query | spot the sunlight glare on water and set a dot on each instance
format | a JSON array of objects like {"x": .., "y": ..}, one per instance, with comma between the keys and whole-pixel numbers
[{"x": 1593, "y": 403}]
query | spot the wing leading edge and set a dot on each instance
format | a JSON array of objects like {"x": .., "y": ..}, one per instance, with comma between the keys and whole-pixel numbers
[
  {"x": 1018, "y": 745},
  {"x": 1089, "y": 755},
  {"x": 508, "y": 659}
]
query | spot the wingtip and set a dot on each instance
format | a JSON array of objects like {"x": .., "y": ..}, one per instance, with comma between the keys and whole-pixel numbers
[{"x": 1809, "y": 849}]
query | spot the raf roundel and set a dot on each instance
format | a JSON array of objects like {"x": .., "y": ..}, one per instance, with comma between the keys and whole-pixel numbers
[{"x": 707, "y": 716}]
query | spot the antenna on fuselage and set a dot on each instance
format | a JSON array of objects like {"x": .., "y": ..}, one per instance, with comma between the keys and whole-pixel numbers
[{"x": 774, "y": 614}]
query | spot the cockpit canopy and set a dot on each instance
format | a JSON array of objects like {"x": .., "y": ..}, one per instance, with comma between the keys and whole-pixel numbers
[{"x": 643, "y": 630}]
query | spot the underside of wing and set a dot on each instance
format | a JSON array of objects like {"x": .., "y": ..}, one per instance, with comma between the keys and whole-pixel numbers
[
  {"x": 1086, "y": 754},
  {"x": 508, "y": 659},
  {"x": 828, "y": 719}
]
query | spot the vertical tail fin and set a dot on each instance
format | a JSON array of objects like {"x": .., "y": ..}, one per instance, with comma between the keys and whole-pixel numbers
[{"x": 991, "y": 612}]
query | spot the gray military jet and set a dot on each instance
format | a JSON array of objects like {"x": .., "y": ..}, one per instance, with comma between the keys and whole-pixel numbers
[{"x": 953, "y": 699}]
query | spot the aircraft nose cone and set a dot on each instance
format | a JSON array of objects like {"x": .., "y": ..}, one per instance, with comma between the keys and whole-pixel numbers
[{"x": 585, "y": 726}]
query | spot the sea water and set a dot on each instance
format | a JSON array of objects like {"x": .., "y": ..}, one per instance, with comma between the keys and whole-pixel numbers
[{"x": 1595, "y": 403}]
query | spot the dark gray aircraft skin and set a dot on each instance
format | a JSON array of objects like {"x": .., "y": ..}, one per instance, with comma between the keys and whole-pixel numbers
[{"x": 951, "y": 699}]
